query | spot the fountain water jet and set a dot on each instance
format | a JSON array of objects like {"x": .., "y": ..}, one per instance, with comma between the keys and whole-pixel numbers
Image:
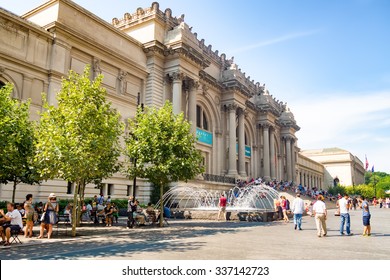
[{"x": 251, "y": 198}]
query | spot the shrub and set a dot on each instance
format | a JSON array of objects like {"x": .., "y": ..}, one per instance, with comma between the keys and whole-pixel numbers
[{"x": 337, "y": 190}]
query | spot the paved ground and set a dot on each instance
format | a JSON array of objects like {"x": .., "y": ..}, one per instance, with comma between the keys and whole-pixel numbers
[{"x": 215, "y": 240}]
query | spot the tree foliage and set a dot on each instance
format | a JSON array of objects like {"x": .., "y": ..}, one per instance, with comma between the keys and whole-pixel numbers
[
  {"x": 79, "y": 140},
  {"x": 164, "y": 147},
  {"x": 16, "y": 141}
]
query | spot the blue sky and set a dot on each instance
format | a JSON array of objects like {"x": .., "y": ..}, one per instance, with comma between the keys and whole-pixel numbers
[{"x": 329, "y": 60}]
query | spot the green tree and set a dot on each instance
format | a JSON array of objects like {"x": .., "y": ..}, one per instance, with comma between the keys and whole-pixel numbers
[
  {"x": 164, "y": 148},
  {"x": 16, "y": 141},
  {"x": 79, "y": 140}
]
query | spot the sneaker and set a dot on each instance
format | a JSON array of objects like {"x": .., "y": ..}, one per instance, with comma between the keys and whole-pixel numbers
[
  {"x": 300, "y": 228},
  {"x": 324, "y": 234},
  {"x": 350, "y": 234},
  {"x": 295, "y": 227},
  {"x": 369, "y": 234},
  {"x": 342, "y": 233}
]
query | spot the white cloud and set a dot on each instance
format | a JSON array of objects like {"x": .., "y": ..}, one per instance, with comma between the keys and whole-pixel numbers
[
  {"x": 273, "y": 41},
  {"x": 351, "y": 121}
]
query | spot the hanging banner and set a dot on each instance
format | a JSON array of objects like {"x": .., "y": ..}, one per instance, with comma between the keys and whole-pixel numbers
[{"x": 204, "y": 136}]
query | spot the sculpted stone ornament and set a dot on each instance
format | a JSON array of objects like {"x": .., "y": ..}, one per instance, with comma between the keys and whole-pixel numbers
[
  {"x": 96, "y": 67},
  {"x": 177, "y": 76},
  {"x": 2, "y": 70},
  {"x": 122, "y": 82}
]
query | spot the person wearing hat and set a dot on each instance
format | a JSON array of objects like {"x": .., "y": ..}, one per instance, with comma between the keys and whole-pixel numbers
[
  {"x": 49, "y": 216},
  {"x": 320, "y": 213}
]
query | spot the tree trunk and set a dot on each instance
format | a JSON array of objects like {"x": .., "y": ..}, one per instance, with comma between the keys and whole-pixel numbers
[
  {"x": 14, "y": 191},
  {"x": 80, "y": 201},
  {"x": 161, "y": 205},
  {"x": 74, "y": 210}
]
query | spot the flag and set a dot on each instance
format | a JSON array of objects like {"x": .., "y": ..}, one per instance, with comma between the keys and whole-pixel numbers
[
  {"x": 372, "y": 169},
  {"x": 366, "y": 163}
]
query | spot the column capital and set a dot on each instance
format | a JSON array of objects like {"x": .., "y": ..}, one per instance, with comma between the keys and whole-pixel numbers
[
  {"x": 265, "y": 125},
  {"x": 230, "y": 107},
  {"x": 288, "y": 137},
  {"x": 177, "y": 76}
]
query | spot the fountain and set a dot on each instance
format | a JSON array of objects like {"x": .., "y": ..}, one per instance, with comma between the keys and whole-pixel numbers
[{"x": 253, "y": 198}]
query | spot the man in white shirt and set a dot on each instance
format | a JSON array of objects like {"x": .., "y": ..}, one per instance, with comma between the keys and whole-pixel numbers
[
  {"x": 298, "y": 207},
  {"x": 320, "y": 213},
  {"x": 344, "y": 206},
  {"x": 13, "y": 222}
]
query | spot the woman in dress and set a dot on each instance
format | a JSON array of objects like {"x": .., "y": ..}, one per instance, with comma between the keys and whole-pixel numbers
[
  {"x": 283, "y": 204},
  {"x": 50, "y": 216},
  {"x": 29, "y": 215}
]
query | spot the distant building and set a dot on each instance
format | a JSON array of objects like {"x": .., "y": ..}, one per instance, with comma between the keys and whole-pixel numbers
[{"x": 340, "y": 166}]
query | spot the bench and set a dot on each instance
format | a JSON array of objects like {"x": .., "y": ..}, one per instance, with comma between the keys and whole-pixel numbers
[{"x": 65, "y": 220}]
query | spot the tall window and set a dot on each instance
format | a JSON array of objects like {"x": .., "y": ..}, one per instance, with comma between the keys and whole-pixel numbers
[
  {"x": 69, "y": 188},
  {"x": 201, "y": 118}
]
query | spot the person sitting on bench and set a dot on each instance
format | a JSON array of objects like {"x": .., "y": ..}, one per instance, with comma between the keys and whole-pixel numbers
[{"x": 13, "y": 222}]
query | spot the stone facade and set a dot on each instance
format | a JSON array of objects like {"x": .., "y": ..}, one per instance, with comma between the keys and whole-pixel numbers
[
  {"x": 148, "y": 57},
  {"x": 340, "y": 166}
]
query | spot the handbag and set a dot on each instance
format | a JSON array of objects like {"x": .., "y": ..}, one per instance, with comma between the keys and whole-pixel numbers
[{"x": 43, "y": 217}]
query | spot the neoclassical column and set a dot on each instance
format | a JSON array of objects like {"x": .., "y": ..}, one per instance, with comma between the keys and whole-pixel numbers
[
  {"x": 293, "y": 161},
  {"x": 272, "y": 154},
  {"x": 241, "y": 143},
  {"x": 266, "y": 159},
  {"x": 177, "y": 78},
  {"x": 192, "y": 105},
  {"x": 232, "y": 140},
  {"x": 289, "y": 158}
]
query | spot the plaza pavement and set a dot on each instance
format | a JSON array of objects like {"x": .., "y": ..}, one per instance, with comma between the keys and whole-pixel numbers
[{"x": 192, "y": 239}]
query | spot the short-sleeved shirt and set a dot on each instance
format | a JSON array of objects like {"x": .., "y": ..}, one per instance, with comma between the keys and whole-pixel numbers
[
  {"x": 319, "y": 207},
  {"x": 222, "y": 201},
  {"x": 343, "y": 203},
  {"x": 16, "y": 218},
  {"x": 366, "y": 212}
]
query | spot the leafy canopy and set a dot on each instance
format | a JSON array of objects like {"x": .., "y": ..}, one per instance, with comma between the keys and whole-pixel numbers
[
  {"x": 16, "y": 140},
  {"x": 163, "y": 146},
  {"x": 79, "y": 140}
]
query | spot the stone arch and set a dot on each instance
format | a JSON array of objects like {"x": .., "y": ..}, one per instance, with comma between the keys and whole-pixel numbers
[
  {"x": 210, "y": 109},
  {"x": 5, "y": 78}
]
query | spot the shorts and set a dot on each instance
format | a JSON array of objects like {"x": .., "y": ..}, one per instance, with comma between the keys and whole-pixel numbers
[
  {"x": 14, "y": 228},
  {"x": 223, "y": 209},
  {"x": 30, "y": 217},
  {"x": 366, "y": 220}
]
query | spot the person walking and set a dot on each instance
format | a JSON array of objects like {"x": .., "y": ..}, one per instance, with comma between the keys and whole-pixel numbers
[
  {"x": 320, "y": 214},
  {"x": 283, "y": 204},
  {"x": 50, "y": 216},
  {"x": 366, "y": 216},
  {"x": 29, "y": 214},
  {"x": 131, "y": 208},
  {"x": 345, "y": 219},
  {"x": 222, "y": 206},
  {"x": 298, "y": 207}
]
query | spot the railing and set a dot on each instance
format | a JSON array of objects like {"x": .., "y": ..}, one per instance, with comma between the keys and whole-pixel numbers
[{"x": 219, "y": 178}]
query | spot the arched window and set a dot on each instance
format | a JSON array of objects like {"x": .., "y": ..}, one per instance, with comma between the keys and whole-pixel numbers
[
  {"x": 201, "y": 118},
  {"x": 246, "y": 140}
]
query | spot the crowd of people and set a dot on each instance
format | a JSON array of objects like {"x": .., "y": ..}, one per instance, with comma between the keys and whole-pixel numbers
[
  {"x": 21, "y": 218},
  {"x": 319, "y": 211}
]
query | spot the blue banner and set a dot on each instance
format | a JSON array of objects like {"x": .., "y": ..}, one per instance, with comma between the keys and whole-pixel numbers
[
  {"x": 248, "y": 150},
  {"x": 204, "y": 136}
]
